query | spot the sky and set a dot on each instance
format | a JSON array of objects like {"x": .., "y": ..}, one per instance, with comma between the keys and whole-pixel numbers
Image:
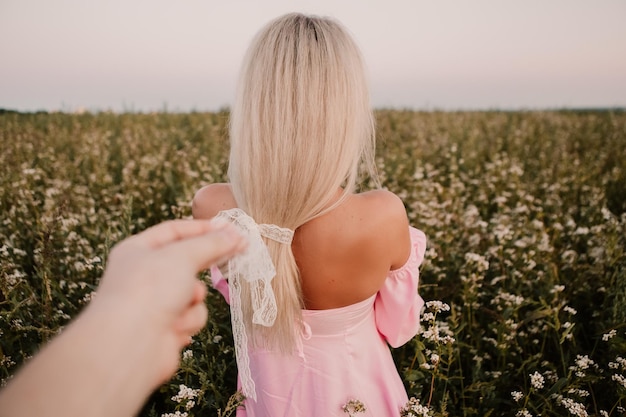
[{"x": 184, "y": 55}]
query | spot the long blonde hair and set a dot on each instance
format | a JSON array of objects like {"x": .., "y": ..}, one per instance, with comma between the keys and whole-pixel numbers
[{"x": 301, "y": 128}]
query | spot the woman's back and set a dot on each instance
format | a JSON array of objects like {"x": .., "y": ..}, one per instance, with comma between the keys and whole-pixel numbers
[{"x": 344, "y": 255}]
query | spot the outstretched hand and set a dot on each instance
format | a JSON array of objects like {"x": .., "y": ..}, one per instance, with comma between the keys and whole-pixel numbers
[
  {"x": 128, "y": 340},
  {"x": 154, "y": 275}
]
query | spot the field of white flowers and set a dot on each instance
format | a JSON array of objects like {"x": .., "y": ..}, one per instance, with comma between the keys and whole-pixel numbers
[{"x": 525, "y": 275}]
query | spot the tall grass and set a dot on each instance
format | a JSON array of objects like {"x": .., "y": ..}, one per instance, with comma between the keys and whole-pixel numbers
[{"x": 525, "y": 271}]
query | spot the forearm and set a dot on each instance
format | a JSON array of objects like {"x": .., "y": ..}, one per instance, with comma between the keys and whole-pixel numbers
[
  {"x": 128, "y": 340},
  {"x": 102, "y": 364}
]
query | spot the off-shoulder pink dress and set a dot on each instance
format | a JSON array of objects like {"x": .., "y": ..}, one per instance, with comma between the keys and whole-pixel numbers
[{"x": 344, "y": 353}]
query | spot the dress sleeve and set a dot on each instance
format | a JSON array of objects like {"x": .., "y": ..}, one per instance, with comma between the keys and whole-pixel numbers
[
  {"x": 398, "y": 305},
  {"x": 220, "y": 283}
]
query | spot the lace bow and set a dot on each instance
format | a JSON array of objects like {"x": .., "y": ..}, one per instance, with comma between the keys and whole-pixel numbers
[{"x": 254, "y": 266}]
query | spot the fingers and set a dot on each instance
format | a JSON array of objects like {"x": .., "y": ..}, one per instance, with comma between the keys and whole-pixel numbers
[
  {"x": 199, "y": 292},
  {"x": 192, "y": 320},
  {"x": 175, "y": 230},
  {"x": 204, "y": 250}
]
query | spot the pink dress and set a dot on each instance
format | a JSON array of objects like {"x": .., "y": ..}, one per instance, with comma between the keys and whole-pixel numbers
[{"x": 344, "y": 353}]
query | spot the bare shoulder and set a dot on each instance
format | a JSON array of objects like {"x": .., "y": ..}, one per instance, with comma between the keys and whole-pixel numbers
[
  {"x": 385, "y": 205},
  {"x": 345, "y": 255},
  {"x": 211, "y": 199},
  {"x": 381, "y": 196},
  {"x": 388, "y": 216}
]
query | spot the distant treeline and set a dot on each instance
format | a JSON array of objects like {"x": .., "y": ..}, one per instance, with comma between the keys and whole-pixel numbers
[{"x": 578, "y": 110}]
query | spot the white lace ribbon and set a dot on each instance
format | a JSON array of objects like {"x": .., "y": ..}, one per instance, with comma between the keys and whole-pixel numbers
[{"x": 254, "y": 266}]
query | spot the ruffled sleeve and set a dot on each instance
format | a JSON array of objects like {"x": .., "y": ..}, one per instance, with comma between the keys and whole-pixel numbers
[
  {"x": 398, "y": 305},
  {"x": 220, "y": 283}
]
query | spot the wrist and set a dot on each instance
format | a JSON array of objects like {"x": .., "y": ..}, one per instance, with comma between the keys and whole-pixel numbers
[
  {"x": 105, "y": 362},
  {"x": 133, "y": 339}
]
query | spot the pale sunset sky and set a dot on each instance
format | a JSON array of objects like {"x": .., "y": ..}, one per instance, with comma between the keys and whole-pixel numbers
[{"x": 147, "y": 55}]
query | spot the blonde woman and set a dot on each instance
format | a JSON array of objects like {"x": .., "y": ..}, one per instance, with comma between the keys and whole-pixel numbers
[{"x": 330, "y": 276}]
